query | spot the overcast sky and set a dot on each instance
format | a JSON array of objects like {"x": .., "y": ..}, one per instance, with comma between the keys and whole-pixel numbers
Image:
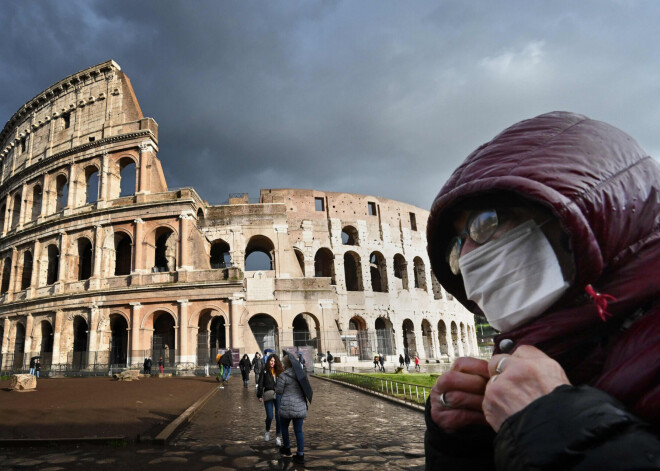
[{"x": 383, "y": 98}]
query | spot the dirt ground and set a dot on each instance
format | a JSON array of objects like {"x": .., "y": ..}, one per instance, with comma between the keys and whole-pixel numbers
[{"x": 97, "y": 406}]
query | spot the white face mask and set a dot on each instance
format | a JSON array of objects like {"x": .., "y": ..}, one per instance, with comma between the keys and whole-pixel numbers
[{"x": 514, "y": 278}]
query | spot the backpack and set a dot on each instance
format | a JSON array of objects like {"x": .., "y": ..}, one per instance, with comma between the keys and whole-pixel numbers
[{"x": 330, "y": 357}]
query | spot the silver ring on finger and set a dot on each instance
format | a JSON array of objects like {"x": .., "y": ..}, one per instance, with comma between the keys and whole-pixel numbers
[
  {"x": 443, "y": 401},
  {"x": 500, "y": 364}
]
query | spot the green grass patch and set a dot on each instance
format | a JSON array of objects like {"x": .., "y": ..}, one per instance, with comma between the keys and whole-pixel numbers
[{"x": 418, "y": 379}]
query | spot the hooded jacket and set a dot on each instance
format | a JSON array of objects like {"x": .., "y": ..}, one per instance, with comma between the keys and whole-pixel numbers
[{"x": 605, "y": 191}]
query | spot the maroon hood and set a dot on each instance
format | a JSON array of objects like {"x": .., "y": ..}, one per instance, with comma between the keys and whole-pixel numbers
[{"x": 605, "y": 191}]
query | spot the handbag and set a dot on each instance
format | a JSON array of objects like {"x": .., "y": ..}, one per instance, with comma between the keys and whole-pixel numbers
[{"x": 269, "y": 395}]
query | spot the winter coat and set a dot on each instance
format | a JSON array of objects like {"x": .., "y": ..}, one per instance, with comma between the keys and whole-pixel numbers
[
  {"x": 245, "y": 367},
  {"x": 266, "y": 382},
  {"x": 226, "y": 359},
  {"x": 604, "y": 190},
  {"x": 293, "y": 404},
  {"x": 257, "y": 365}
]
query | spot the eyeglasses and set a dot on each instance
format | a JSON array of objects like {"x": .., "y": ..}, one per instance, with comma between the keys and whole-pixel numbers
[{"x": 480, "y": 228}]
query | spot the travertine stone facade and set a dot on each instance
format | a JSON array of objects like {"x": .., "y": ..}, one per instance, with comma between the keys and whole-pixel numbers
[{"x": 101, "y": 264}]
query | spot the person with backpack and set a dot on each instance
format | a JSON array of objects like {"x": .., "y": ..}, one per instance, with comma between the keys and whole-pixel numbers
[
  {"x": 257, "y": 366},
  {"x": 226, "y": 362},
  {"x": 329, "y": 358}
]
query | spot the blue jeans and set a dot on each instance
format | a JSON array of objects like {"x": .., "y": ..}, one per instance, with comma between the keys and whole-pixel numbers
[
  {"x": 226, "y": 371},
  {"x": 297, "y": 429},
  {"x": 269, "y": 414}
]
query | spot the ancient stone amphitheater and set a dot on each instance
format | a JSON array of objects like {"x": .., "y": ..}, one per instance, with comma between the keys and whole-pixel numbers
[{"x": 102, "y": 265}]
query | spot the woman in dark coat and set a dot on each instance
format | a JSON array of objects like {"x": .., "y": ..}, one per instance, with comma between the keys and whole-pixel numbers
[
  {"x": 266, "y": 394},
  {"x": 293, "y": 408},
  {"x": 245, "y": 367},
  {"x": 573, "y": 384},
  {"x": 257, "y": 366}
]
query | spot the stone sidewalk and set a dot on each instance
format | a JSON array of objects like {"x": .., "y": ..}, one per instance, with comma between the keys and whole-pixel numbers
[{"x": 345, "y": 430}]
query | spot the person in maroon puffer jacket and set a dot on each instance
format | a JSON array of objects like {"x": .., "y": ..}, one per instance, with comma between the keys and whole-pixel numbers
[{"x": 552, "y": 231}]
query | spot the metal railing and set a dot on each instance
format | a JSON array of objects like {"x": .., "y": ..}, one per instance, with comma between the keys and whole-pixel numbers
[{"x": 407, "y": 392}]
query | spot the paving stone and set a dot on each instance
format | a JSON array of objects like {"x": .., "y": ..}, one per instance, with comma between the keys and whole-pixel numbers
[
  {"x": 106, "y": 461},
  {"x": 414, "y": 452},
  {"x": 61, "y": 459},
  {"x": 147, "y": 451},
  {"x": 392, "y": 450},
  {"x": 374, "y": 459},
  {"x": 315, "y": 464},
  {"x": 246, "y": 461},
  {"x": 169, "y": 459},
  {"x": 346, "y": 459},
  {"x": 357, "y": 467},
  {"x": 239, "y": 450},
  {"x": 178, "y": 453},
  {"x": 212, "y": 459},
  {"x": 327, "y": 453},
  {"x": 27, "y": 463}
]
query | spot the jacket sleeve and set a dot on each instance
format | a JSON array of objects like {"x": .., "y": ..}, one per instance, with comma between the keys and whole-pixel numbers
[
  {"x": 470, "y": 449},
  {"x": 279, "y": 387},
  {"x": 576, "y": 428},
  {"x": 260, "y": 385}
]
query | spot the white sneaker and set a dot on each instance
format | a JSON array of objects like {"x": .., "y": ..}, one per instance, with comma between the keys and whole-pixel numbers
[
  {"x": 278, "y": 441},
  {"x": 266, "y": 436}
]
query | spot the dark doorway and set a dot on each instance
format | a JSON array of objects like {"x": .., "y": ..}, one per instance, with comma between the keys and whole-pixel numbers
[{"x": 119, "y": 340}]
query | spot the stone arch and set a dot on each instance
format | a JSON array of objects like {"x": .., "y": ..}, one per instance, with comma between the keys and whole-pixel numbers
[
  {"x": 61, "y": 191},
  {"x": 163, "y": 240},
  {"x": 18, "y": 346},
  {"x": 90, "y": 184},
  {"x": 149, "y": 319},
  {"x": 16, "y": 211},
  {"x": 324, "y": 264},
  {"x": 220, "y": 254},
  {"x": 81, "y": 258},
  {"x": 118, "y": 339},
  {"x": 420, "y": 273},
  {"x": 26, "y": 270},
  {"x": 35, "y": 204},
  {"x": 203, "y": 317},
  {"x": 123, "y": 253},
  {"x": 350, "y": 236},
  {"x": 127, "y": 171},
  {"x": 427, "y": 339},
  {"x": 50, "y": 266},
  {"x": 378, "y": 267},
  {"x": 163, "y": 341},
  {"x": 400, "y": 271},
  {"x": 259, "y": 254},
  {"x": 200, "y": 214},
  {"x": 300, "y": 257},
  {"x": 212, "y": 326},
  {"x": 442, "y": 338},
  {"x": 384, "y": 336},
  {"x": 358, "y": 326},
  {"x": 306, "y": 330},
  {"x": 6, "y": 275},
  {"x": 353, "y": 272},
  {"x": 409, "y": 340},
  {"x": 265, "y": 330},
  {"x": 80, "y": 333}
]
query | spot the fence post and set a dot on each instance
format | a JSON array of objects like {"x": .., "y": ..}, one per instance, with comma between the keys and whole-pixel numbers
[{"x": 417, "y": 392}]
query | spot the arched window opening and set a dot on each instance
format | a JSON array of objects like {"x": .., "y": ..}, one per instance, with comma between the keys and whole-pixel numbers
[
  {"x": 164, "y": 340},
  {"x": 361, "y": 346},
  {"x": 165, "y": 256},
  {"x": 220, "y": 255},
  {"x": 26, "y": 276},
  {"x": 200, "y": 215},
  {"x": 420, "y": 274},
  {"x": 442, "y": 338},
  {"x": 91, "y": 185},
  {"x": 37, "y": 195},
  {"x": 84, "y": 259},
  {"x": 118, "y": 340},
  {"x": 437, "y": 290},
  {"x": 324, "y": 264},
  {"x": 16, "y": 212},
  {"x": 53, "y": 264},
  {"x": 264, "y": 329},
  {"x": 300, "y": 331},
  {"x": 409, "y": 341},
  {"x": 427, "y": 339},
  {"x": 378, "y": 269},
  {"x": 401, "y": 271},
  {"x": 62, "y": 192},
  {"x": 349, "y": 236},
  {"x": 454, "y": 338},
  {"x": 46, "y": 345},
  {"x": 259, "y": 254},
  {"x": 6, "y": 275},
  {"x": 123, "y": 254},
  {"x": 301, "y": 260},
  {"x": 80, "y": 331},
  {"x": 19, "y": 347},
  {"x": 384, "y": 336},
  {"x": 127, "y": 177},
  {"x": 353, "y": 272},
  {"x": 3, "y": 210}
]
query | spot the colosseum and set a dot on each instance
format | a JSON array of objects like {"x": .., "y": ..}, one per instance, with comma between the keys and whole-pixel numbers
[{"x": 103, "y": 266}]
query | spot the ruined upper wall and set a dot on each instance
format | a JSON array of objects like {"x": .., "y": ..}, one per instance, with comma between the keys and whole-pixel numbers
[{"x": 91, "y": 105}]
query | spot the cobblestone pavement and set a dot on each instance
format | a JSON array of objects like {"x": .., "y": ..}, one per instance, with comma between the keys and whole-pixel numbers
[{"x": 345, "y": 430}]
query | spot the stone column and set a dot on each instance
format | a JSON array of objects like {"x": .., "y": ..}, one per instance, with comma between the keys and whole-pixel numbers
[
  {"x": 7, "y": 223},
  {"x": 36, "y": 263},
  {"x": 280, "y": 232},
  {"x": 45, "y": 191},
  {"x": 184, "y": 353},
  {"x": 57, "y": 330},
  {"x": 146, "y": 151},
  {"x": 138, "y": 257},
  {"x": 29, "y": 321},
  {"x": 104, "y": 180},
  {"x": 185, "y": 226},
  {"x": 92, "y": 325},
  {"x": 21, "y": 215},
  {"x": 98, "y": 252},
  {"x": 63, "y": 265},
  {"x": 134, "y": 334},
  {"x": 14, "y": 284},
  {"x": 5, "y": 336},
  {"x": 234, "y": 310}
]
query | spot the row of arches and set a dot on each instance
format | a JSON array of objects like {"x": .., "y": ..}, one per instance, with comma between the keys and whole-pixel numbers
[{"x": 27, "y": 205}]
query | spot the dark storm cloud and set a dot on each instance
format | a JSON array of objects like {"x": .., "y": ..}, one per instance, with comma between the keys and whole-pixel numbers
[{"x": 366, "y": 97}]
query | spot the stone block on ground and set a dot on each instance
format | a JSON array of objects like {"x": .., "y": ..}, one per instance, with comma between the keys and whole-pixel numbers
[
  {"x": 127, "y": 375},
  {"x": 23, "y": 382}
]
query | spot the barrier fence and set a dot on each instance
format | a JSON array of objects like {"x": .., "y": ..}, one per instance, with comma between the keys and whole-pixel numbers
[{"x": 407, "y": 392}]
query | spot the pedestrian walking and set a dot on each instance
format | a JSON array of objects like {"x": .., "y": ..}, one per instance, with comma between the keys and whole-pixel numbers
[
  {"x": 37, "y": 367},
  {"x": 324, "y": 363},
  {"x": 293, "y": 408},
  {"x": 257, "y": 366},
  {"x": 301, "y": 359},
  {"x": 245, "y": 367},
  {"x": 407, "y": 360},
  {"x": 161, "y": 365},
  {"x": 417, "y": 367},
  {"x": 146, "y": 365},
  {"x": 330, "y": 359},
  {"x": 226, "y": 362},
  {"x": 376, "y": 361},
  {"x": 33, "y": 361},
  {"x": 400, "y": 361},
  {"x": 381, "y": 361},
  {"x": 266, "y": 394}
]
